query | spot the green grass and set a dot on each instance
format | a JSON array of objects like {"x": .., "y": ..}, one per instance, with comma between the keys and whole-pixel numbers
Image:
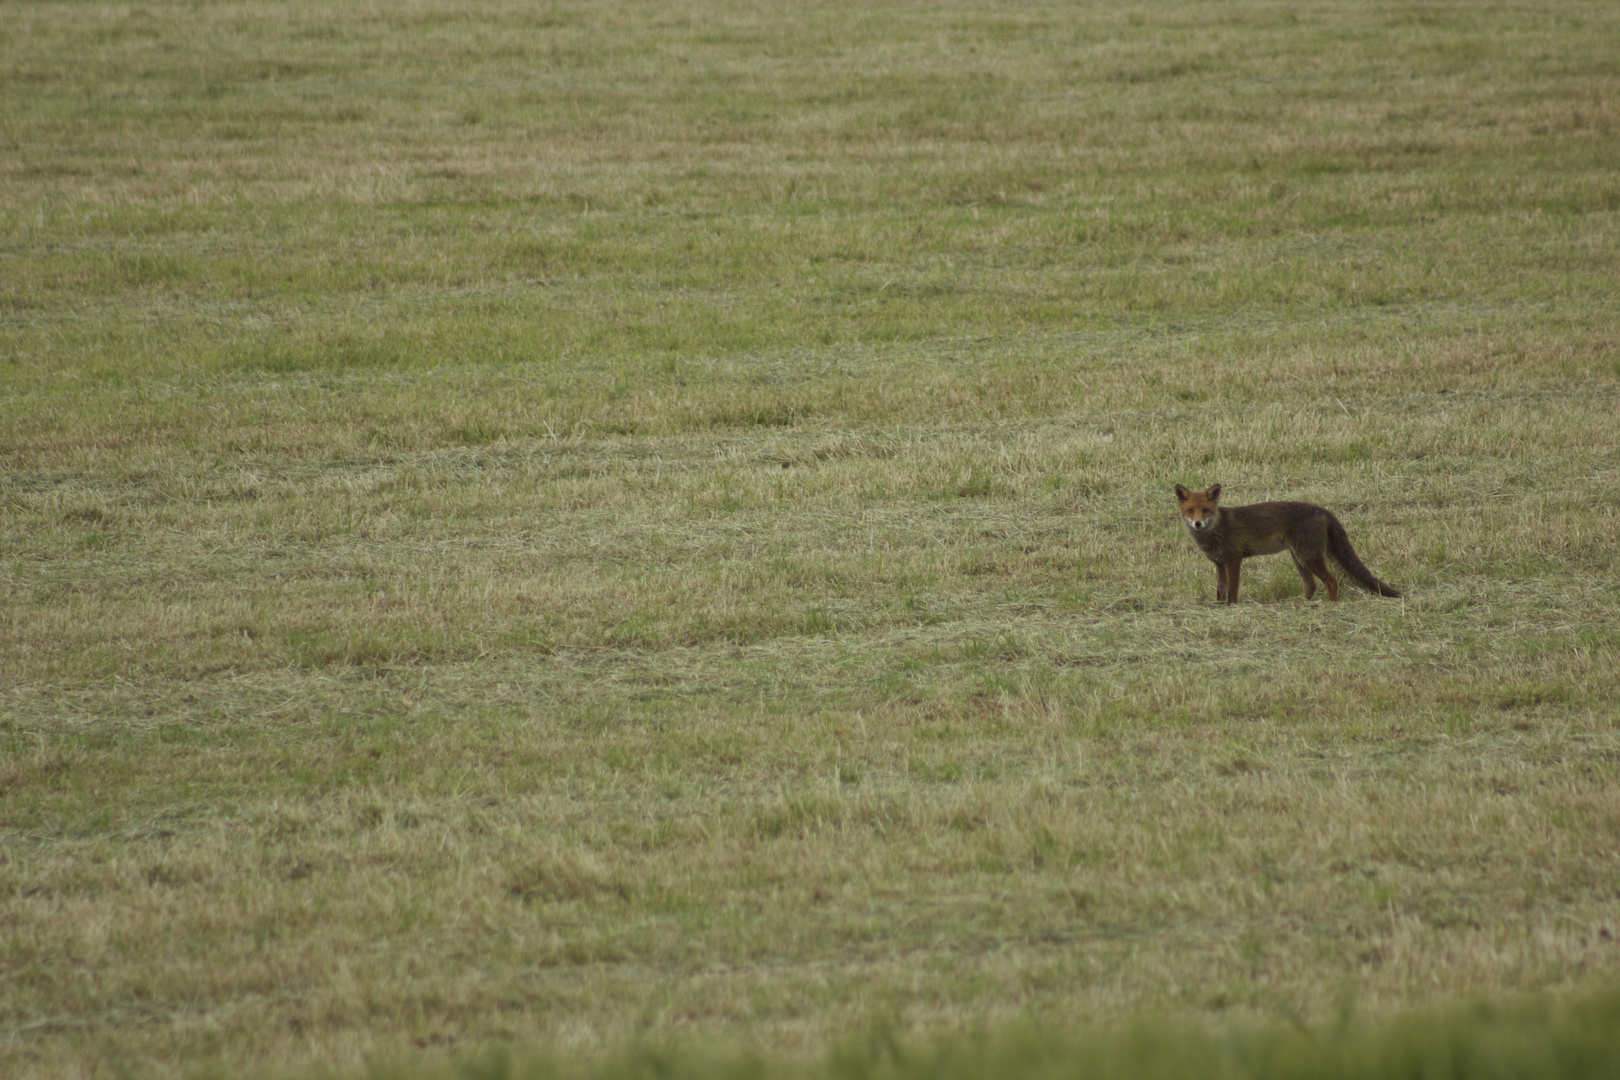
[
  {"x": 1574, "y": 1040},
  {"x": 564, "y": 525}
]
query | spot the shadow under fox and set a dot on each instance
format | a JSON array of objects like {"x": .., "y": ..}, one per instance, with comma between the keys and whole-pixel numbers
[{"x": 1312, "y": 535}]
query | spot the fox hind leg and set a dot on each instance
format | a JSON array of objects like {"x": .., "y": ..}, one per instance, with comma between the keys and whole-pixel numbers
[
  {"x": 1319, "y": 567},
  {"x": 1305, "y": 576}
]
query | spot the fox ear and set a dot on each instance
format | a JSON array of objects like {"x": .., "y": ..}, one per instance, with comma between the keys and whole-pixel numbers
[
  {"x": 1214, "y": 492},
  {"x": 1181, "y": 492}
]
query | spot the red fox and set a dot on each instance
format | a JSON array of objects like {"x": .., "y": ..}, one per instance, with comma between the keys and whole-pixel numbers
[{"x": 1228, "y": 535}]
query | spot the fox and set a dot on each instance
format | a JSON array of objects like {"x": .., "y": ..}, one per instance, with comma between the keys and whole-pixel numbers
[{"x": 1312, "y": 535}]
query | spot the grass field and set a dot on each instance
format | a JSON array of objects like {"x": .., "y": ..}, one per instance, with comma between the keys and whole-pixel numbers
[{"x": 577, "y": 523}]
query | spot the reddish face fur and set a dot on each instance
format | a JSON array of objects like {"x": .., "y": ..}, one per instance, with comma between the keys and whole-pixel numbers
[{"x": 1198, "y": 507}]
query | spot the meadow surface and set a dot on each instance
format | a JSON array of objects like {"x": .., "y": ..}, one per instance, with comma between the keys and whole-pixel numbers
[{"x": 574, "y": 522}]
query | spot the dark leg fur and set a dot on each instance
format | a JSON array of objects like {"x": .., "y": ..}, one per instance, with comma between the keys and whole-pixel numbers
[
  {"x": 1305, "y": 576},
  {"x": 1233, "y": 570},
  {"x": 1319, "y": 567}
]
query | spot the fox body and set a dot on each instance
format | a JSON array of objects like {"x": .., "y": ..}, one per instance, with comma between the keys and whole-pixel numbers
[{"x": 1312, "y": 535}]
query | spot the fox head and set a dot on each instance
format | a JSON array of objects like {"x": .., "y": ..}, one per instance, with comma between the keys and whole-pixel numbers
[{"x": 1198, "y": 507}]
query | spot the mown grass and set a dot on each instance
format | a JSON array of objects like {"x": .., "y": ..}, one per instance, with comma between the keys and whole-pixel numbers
[{"x": 573, "y": 523}]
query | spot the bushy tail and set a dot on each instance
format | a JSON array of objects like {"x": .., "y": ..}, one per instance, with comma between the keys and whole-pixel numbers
[{"x": 1342, "y": 553}]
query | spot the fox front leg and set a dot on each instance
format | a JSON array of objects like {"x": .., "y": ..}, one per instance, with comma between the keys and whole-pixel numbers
[
  {"x": 1220, "y": 582},
  {"x": 1233, "y": 569}
]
